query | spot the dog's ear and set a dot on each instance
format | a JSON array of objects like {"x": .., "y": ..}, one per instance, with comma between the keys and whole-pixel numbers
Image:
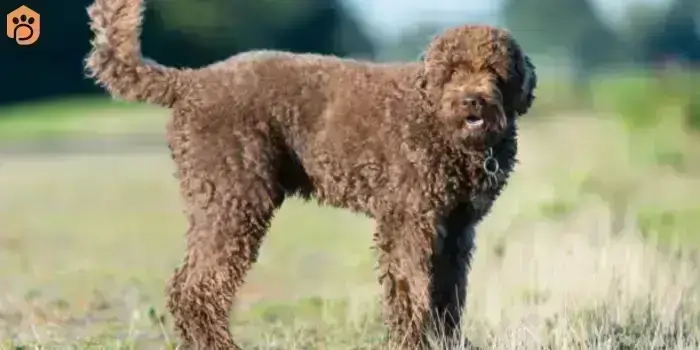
[
  {"x": 436, "y": 68},
  {"x": 527, "y": 73}
]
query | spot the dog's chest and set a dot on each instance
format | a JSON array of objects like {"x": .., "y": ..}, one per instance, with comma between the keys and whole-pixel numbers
[
  {"x": 482, "y": 199},
  {"x": 481, "y": 203},
  {"x": 492, "y": 180}
]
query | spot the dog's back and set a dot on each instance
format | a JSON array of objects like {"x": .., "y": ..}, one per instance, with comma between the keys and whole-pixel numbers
[{"x": 116, "y": 63}]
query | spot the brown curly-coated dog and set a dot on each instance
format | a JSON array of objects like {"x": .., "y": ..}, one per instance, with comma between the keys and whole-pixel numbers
[{"x": 423, "y": 148}]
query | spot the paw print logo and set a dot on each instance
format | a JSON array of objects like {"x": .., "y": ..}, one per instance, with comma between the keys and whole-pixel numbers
[{"x": 23, "y": 25}]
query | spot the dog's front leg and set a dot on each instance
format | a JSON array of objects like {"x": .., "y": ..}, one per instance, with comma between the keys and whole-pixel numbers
[
  {"x": 405, "y": 245},
  {"x": 453, "y": 253}
]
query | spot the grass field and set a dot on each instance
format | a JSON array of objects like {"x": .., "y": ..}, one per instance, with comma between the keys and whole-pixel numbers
[
  {"x": 593, "y": 245},
  {"x": 57, "y": 119}
]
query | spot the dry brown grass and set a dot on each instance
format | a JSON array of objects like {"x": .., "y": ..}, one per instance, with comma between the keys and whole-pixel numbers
[{"x": 86, "y": 243}]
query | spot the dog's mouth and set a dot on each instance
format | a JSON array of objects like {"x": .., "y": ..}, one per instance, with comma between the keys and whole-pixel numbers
[{"x": 474, "y": 121}]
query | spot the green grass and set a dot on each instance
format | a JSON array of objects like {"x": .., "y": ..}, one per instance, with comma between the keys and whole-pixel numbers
[
  {"x": 87, "y": 243},
  {"x": 55, "y": 119}
]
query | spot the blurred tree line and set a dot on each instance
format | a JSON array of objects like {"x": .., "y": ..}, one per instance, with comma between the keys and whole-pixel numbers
[
  {"x": 573, "y": 31},
  {"x": 196, "y": 32},
  {"x": 648, "y": 34},
  {"x": 178, "y": 33},
  {"x": 637, "y": 66}
]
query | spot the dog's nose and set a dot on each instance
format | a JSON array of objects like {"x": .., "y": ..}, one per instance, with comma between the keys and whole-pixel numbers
[{"x": 472, "y": 101}]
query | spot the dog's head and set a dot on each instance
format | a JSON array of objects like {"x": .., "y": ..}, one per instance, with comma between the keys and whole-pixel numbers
[{"x": 479, "y": 81}]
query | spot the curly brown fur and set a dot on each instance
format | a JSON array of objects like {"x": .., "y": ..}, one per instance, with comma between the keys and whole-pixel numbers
[{"x": 404, "y": 143}]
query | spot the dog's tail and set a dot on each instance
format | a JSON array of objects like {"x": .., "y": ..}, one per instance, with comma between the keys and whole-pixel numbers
[{"x": 115, "y": 60}]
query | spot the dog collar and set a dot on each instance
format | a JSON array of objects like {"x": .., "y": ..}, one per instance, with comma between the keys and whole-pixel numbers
[{"x": 491, "y": 168}]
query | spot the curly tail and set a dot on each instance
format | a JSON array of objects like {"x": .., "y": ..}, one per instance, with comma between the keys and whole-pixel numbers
[{"x": 115, "y": 60}]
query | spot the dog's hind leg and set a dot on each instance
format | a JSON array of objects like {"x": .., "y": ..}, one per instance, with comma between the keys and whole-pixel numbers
[
  {"x": 230, "y": 201},
  {"x": 405, "y": 247},
  {"x": 451, "y": 260}
]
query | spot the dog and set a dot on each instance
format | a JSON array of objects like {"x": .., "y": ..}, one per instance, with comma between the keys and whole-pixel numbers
[{"x": 424, "y": 148}]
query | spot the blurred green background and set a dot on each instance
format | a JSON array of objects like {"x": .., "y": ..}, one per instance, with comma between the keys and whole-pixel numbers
[
  {"x": 588, "y": 51},
  {"x": 607, "y": 190}
]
